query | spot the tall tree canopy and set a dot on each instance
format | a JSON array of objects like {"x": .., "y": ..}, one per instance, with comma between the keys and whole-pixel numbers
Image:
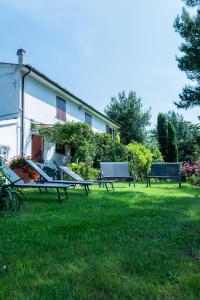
[
  {"x": 162, "y": 134},
  {"x": 187, "y": 135},
  {"x": 189, "y": 29},
  {"x": 172, "y": 149},
  {"x": 128, "y": 113}
]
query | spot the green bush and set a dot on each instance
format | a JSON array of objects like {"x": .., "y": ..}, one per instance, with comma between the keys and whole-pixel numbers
[
  {"x": 154, "y": 148},
  {"x": 140, "y": 159},
  {"x": 78, "y": 135},
  {"x": 108, "y": 149},
  {"x": 9, "y": 197},
  {"x": 84, "y": 170}
]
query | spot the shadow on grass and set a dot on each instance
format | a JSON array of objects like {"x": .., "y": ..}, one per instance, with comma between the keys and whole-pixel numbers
[{"x": 136, "y": 243}]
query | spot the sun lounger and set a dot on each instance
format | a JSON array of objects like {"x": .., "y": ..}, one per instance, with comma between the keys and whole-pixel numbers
[
  {"x": 76, "y": 177},
  {"x": 47, "y": 178},
  {"x": 17, "y": 182}
]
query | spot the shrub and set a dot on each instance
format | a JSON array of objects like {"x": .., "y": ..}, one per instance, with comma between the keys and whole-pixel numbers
[
  {"x": 140, "y": 159},
  {"x": 108, "y": 149},
  {"x": 192, "y": 172},
  {"x": 154, "y": 148},
  {"x": 78, "y": 135},
  {"x": 84, "y": 170},
  {"x": 9, "y": 197}
]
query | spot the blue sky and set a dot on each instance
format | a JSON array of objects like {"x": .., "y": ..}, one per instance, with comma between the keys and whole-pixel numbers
[{"x": 98, "y": 48}]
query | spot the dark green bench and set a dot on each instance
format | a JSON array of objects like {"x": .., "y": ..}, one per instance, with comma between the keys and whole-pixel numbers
[{"x": 164, "y": 171}]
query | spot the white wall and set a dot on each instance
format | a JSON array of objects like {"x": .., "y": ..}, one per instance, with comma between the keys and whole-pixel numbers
[
  {"x": 8, "y": 136},
  {"x": 9, "y": 91},
  {"x": 10, "y": 82},
  {"x": 40, "y": 106}
]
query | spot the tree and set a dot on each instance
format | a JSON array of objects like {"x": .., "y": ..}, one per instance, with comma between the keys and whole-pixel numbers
[
  {"x": 127, "y": 112},
  {"x": 162, "y": 134},
  {"x": 140, "y": 159},
  {"x": 187, "y": 135},
  {"x": 108, "y": 149},
  {"x": 189, "y": 29},
  {"x": 172, "y": 149}
]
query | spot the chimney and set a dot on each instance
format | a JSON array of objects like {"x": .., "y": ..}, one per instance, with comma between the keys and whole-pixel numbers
[{"x": 21, "y": 53}]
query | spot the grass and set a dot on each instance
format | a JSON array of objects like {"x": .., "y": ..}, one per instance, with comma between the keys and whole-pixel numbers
[{"x": 125, "y": 244}]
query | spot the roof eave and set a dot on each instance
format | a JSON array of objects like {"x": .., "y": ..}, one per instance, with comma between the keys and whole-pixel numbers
[{"x": 57, "y": 85}]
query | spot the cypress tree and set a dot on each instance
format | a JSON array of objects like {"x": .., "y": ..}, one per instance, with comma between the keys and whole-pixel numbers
[
  {"x": 172, "y": 144},
  {"x": 162, "y": 133}
]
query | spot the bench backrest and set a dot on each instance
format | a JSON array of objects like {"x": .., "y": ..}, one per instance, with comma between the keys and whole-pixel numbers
[
  {"x": 114, "y": 169},
  {"x": 39, "y": 170},
  {"x": 165, "y": 169},
  {"x": 10, "y": 174}
]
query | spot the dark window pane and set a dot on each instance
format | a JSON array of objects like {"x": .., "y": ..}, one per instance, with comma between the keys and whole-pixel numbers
[
  {"x": 60, "y": 109},
  {"x": 107, "y": 129},
  {"x": 60, "y": 149},
  {"x": 88, "y": 119}
]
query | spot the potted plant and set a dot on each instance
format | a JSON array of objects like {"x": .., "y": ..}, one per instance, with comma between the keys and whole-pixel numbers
[{"x": 22, "y": 169}]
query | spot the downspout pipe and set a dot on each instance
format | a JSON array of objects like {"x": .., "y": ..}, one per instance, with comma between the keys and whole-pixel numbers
[{"x": 22, "y": 114}]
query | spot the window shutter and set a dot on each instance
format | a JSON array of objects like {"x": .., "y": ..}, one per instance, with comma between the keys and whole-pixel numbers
[
  {"x": 38, "y": 148},
  {"x": 60, "y": 109},
  {"x": 88, "y": 119}
]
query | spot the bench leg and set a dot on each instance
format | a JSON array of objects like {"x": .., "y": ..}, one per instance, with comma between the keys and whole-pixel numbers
[
  {"x": 149, "y": 182},
  {"x": 66, "y": 195},
  {"x": 86, "y": 190},
  {"x": 179, "y": 182},
  {"x": 58, "y": 192},
  {"x": 134, "y": 180},
  {"x": 106, "y": 187}
]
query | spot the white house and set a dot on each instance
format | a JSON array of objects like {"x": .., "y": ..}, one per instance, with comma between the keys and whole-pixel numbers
[{"x": 28, "y": 97}]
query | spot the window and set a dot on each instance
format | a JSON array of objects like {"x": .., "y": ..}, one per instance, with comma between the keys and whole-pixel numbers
[
  {"x": 110, "y": 131},
  {"x": 60, "y": 149},
  {"x": 88, "y": 119},
  {"x": 60, "y": 109}
]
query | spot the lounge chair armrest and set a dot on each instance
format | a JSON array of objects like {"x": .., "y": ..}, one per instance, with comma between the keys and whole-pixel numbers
[
  {"x": 16, "y": 181},
  {"x": 13, "y": 183}
]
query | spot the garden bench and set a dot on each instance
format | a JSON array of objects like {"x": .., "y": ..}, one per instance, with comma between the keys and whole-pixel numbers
[
  {"x": 164, "y": 171},
  {"x": 116, "y": 170}
]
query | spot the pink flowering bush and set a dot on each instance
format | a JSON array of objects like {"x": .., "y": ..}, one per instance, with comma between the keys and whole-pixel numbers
[{"x": 192, "y": 172}]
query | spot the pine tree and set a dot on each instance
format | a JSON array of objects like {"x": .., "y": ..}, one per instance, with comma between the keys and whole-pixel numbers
[
  {"x": 172, "y": 155},
  {"x": 189, "y": 29},
  {"x": 162, "y": 135},
  {"x": 127, "y": 111}
]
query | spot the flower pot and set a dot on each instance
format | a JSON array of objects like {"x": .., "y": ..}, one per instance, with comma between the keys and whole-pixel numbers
[{"x": 22, "y": 174}]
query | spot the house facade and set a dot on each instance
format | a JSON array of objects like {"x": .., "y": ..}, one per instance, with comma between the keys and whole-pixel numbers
[{"x": 29, "y": 97}]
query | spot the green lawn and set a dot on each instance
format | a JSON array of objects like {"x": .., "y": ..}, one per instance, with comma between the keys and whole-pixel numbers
[{"x": 125, "y": 244}]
